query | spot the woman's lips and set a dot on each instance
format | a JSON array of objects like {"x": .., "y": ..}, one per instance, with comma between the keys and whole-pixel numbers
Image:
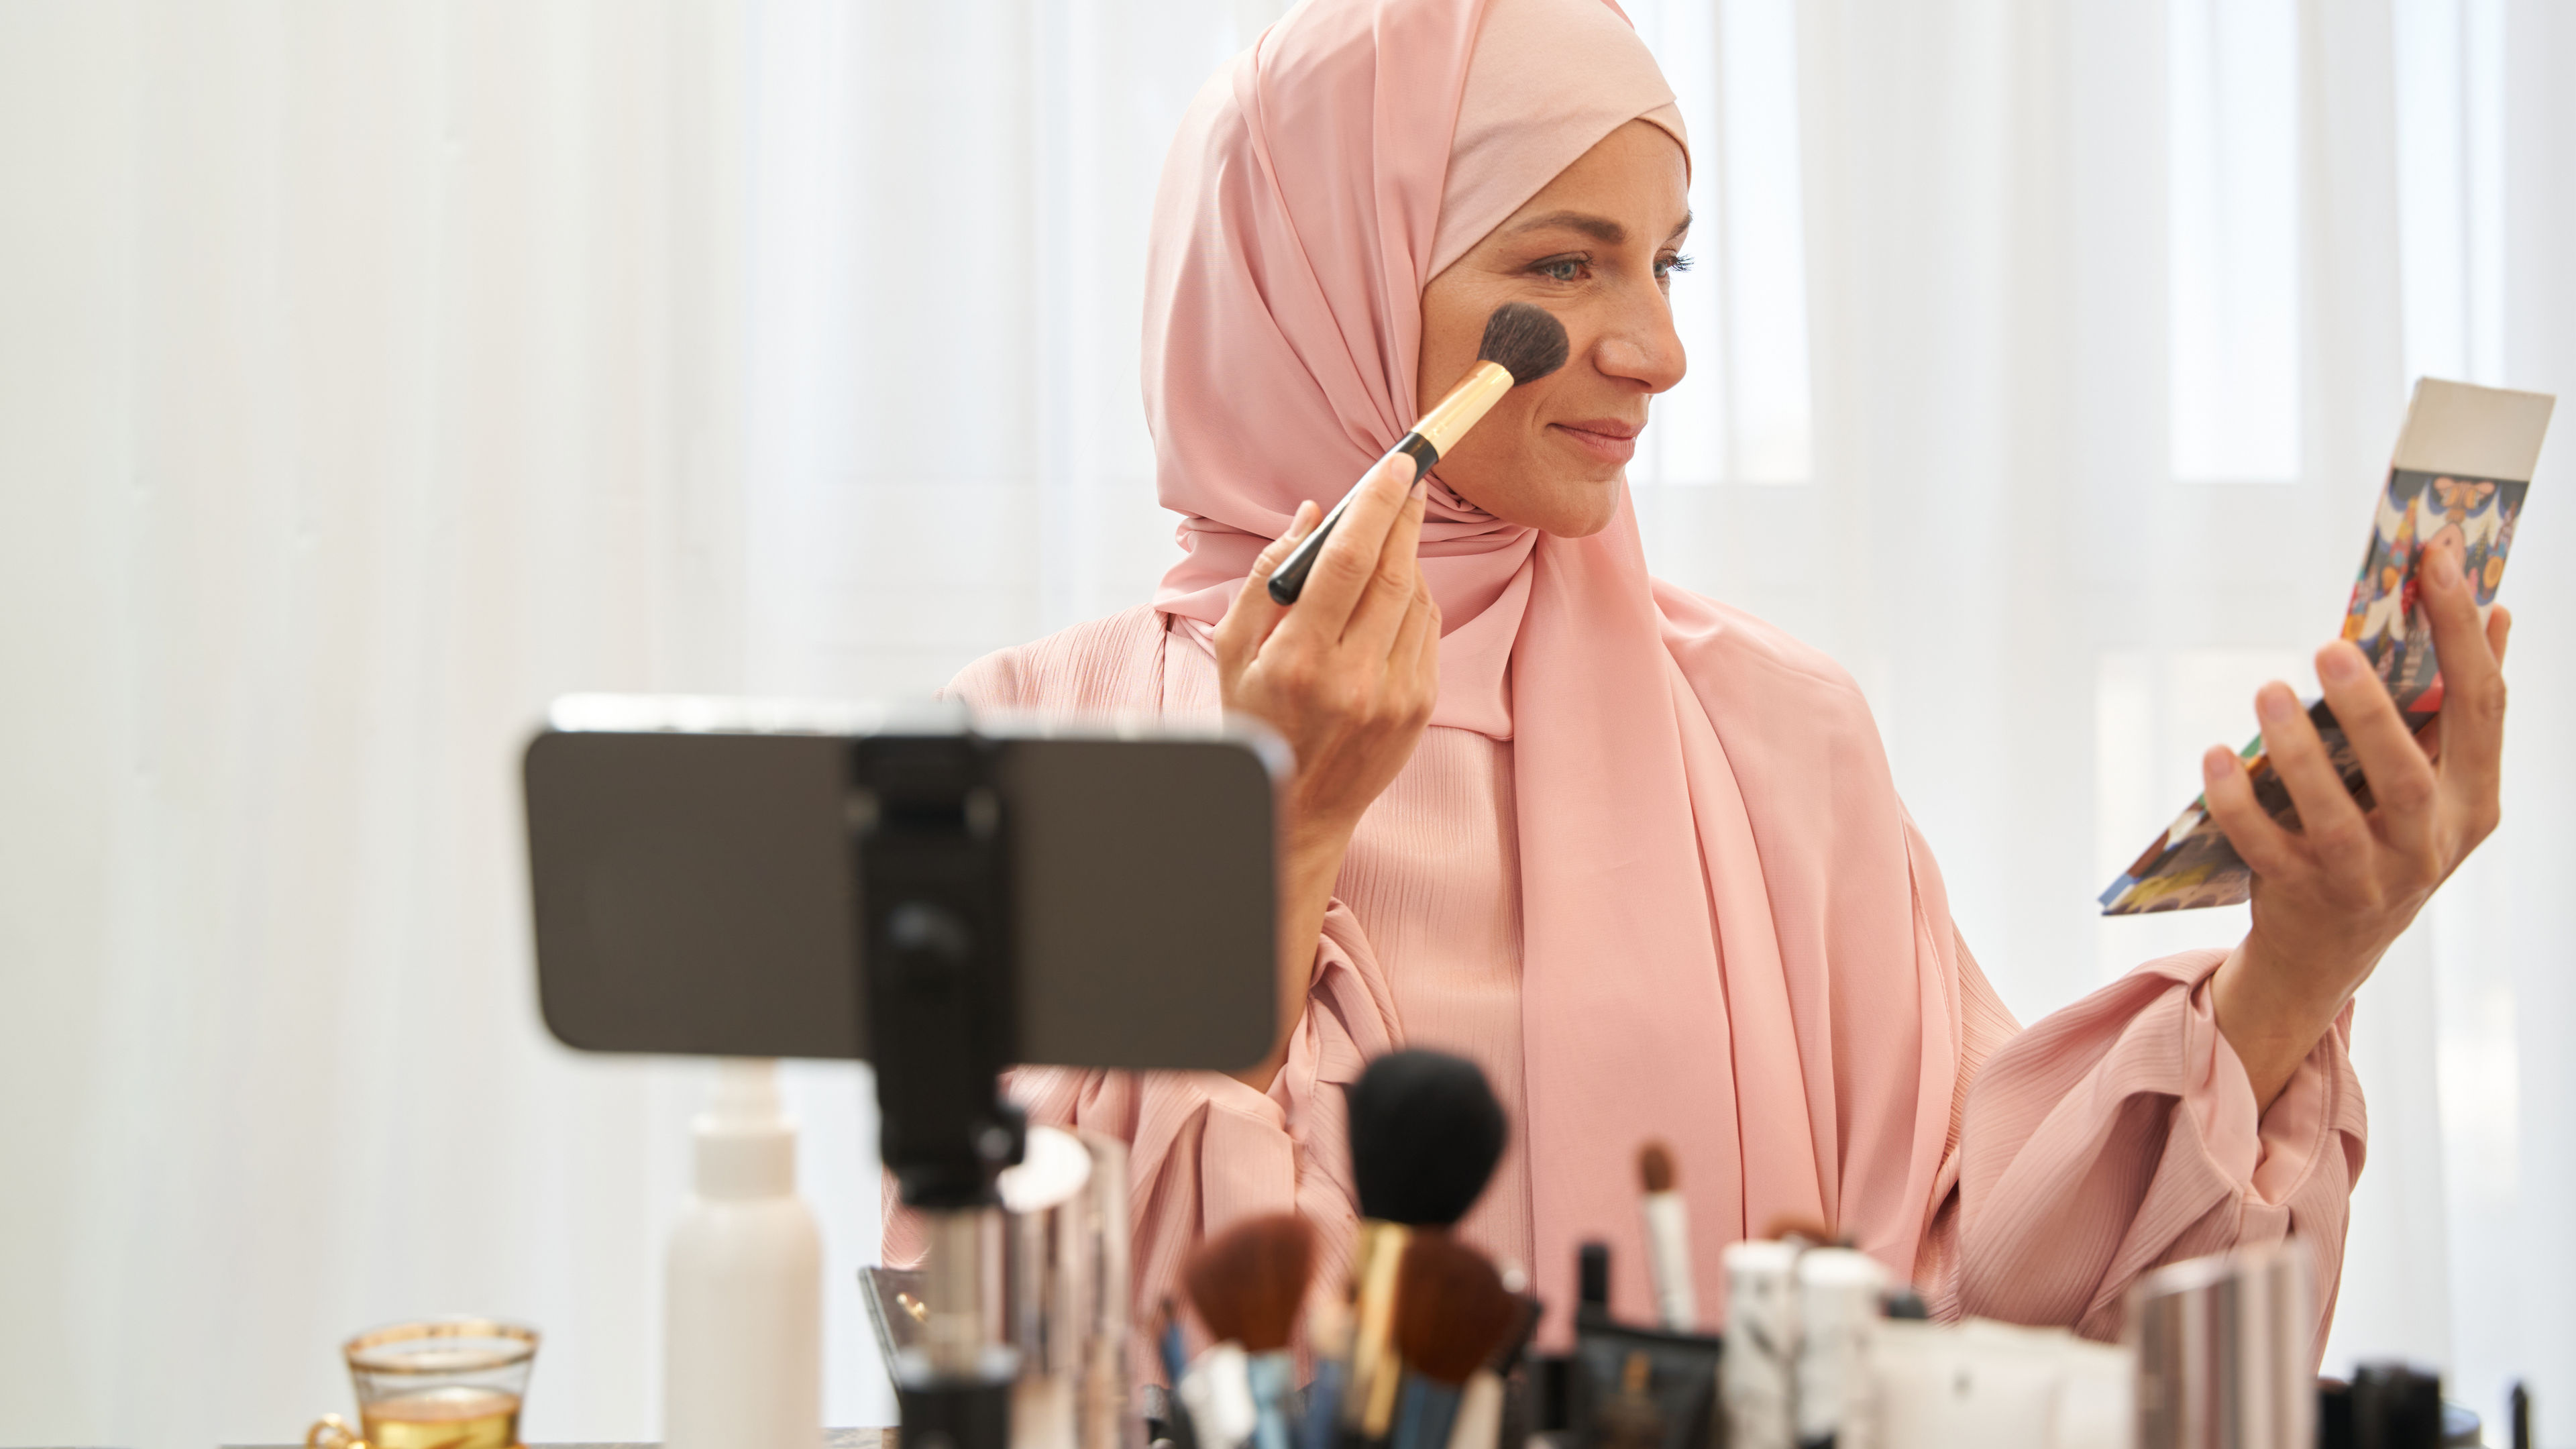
[{"x": 1608, "y": 439}]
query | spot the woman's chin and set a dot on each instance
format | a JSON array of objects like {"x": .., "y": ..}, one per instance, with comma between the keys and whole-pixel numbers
[
  {"x": 1583, "y": 510},
  {"x": 1585, "y": 527},
  {"x": 1568, "y": 502}
]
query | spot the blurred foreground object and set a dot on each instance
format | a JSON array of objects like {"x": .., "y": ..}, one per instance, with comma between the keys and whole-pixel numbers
[
  {"x": 742, "y": 1364},
  {"x": 439, "y": 1383},
  {"x": 945, "y": 898},
  {"x": 2226, "y": 1357}
]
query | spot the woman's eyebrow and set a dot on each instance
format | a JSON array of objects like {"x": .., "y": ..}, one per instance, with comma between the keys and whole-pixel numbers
[{"x": 1602, "y": 229}]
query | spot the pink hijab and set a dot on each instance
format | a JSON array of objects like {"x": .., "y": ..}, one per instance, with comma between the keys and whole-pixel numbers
[{"x": 1725, "y": 944}]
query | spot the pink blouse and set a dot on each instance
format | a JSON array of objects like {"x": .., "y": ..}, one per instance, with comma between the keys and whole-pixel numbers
[{"x": 2113, "y": 1136}]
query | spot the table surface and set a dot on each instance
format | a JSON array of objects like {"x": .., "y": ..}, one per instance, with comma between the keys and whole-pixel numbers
[{"x": 830, "y": 1440}]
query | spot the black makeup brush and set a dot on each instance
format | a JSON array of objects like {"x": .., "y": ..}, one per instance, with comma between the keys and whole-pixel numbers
[
  {"x": 1425, "y": 1133},
  {"x": 1451, "y": 1313},
  {"x": 1522, "y": 344}
]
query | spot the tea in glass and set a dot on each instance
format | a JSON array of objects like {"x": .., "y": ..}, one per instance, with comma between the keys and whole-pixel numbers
[{"x": 442, "y": 1383}]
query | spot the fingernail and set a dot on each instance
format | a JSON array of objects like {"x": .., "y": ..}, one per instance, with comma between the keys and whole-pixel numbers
[
  {"x": 1420, "y": 487},
  {"x": 2275, "y": 704},
  {"x": 2213, "y": 762},
  {"x": 2446, "y": 568},
  {"x": 2340, "y": 665}
]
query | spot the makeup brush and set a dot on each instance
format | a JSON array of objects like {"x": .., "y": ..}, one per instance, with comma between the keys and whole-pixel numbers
[
  {"x": 1368, "y": 1387},
  {"x": 1451, "y": 1315},
  {"x": 1522, "y": 344},
  {"x": 1425, "y": 1133},
  {"x": 1249, "y": 1281},
  {"x": 1481, "y": 1404},
  {"x": 1182, "y": 1432},
  {"x": 1248, "y": 1284},
  {"x": 1328, "y": 1334},
  {"x": 1175, "y": 1357},
  {"x": 1805, "y": 1232},
  {"x": 1667, "y": 1239},
  {"x": 1216, "y": 1389}
]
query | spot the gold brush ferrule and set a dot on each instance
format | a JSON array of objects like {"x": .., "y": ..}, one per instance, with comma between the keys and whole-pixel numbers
[
  {"x": 1381, "y": 1253},
  {"x": 1466, "y": 404}
]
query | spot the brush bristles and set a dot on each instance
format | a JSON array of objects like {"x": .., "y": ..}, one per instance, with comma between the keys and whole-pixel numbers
[
  {"x": 1525, "y": 341},
  {"x": 1812, "y": 1231},
  {"x": 1425, "y": 1132},
  {"x": 1249, "y": 1281},
  {"x": 1451, "y": 1309},
  {"x": 1655, "y": 1167}
]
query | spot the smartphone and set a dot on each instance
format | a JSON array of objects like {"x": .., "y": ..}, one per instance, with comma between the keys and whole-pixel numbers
[{"x": 693, "y": 868}]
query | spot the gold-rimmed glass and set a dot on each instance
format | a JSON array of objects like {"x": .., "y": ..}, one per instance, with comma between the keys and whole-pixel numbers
[{"x": 440, "y": 1383}]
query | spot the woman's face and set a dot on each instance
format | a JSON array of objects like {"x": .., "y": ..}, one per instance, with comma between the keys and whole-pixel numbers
[{"x": 1597, "y": 248}]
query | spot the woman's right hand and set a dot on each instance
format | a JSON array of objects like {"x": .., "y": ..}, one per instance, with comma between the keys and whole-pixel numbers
[{"x": 1347, "y": 675}]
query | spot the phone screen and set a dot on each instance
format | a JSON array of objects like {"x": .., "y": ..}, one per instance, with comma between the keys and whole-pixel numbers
[{"x": 697, "y": 893}]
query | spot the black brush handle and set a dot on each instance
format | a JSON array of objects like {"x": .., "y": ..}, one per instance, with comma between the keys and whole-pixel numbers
[{"x": 1289, "y": 579}]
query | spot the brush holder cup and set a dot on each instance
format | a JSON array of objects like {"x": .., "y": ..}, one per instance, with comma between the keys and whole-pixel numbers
[
  {"x": 1058, "y": 1302},
  {"x": 1064, "y": 1293},
  {"x": 2224, "y": 1346}
]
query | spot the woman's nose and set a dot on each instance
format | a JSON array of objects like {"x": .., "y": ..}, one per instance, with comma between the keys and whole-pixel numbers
[{"x": 1641, "y": 345}]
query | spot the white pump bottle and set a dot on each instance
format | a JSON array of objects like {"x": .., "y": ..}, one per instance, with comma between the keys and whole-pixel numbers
[{"x": 743, "y": 1306}]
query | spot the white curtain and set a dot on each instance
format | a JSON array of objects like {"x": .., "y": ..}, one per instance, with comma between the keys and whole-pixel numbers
[{"x": 368, "y": 376}]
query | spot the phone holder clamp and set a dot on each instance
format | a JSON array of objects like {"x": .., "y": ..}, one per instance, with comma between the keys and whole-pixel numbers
[{"x": 933, "y": 849}]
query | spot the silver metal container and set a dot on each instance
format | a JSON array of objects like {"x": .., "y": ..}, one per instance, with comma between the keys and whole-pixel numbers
[
  {"x": 1064, "y": 1292},
  {"x": 1059, "y": 1301},
  {"x": 2226, "y": 1351}
]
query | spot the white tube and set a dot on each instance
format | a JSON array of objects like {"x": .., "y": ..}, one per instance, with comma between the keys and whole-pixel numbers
[{"x": 1668, "y": 1259}]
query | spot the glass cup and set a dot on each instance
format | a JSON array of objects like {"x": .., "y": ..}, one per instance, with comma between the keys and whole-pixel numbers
[{"x": 441, "y": 1383}]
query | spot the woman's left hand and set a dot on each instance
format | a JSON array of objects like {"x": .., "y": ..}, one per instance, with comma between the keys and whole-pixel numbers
[{"x": 2331, "y": 895}]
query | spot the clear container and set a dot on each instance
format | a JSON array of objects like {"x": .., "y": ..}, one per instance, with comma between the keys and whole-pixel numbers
[{"x": 439, "y": 1383}]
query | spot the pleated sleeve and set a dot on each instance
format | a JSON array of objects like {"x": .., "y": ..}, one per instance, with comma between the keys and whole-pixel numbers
[{"x": 2120, "y": 1134}]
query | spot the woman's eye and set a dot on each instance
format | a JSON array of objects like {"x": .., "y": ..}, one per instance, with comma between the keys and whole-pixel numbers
[
  {"x": 1666, "y": 266},
  {"x": 1561, "y": 269}
]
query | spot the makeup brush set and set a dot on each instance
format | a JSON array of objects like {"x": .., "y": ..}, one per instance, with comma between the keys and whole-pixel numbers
[
  {"x": 1414, "y": 1354},
  {"x": 1427, "y": 1346}
]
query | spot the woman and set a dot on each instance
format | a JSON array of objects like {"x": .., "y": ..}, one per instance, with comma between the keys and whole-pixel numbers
[{"x": 1634, "y": 851}]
